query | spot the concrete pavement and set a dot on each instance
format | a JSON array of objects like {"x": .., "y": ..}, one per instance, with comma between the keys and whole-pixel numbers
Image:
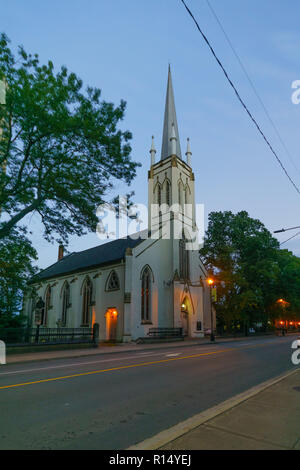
[{"x": 266, "y": 417}]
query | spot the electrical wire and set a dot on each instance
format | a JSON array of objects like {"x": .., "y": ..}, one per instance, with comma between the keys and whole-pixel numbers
[
  {"x": 240, "y": 99},
  {"x": 253, "y": 87},
  {"x": 291, "y": 238}
]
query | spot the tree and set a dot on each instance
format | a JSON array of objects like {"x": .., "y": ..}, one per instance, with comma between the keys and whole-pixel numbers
[
  {"x": 287, "y": 287},
  {"x": 61, "y": 149},
  {"x": 244, "y": 258},
  {"x": 16, "y": 257}
]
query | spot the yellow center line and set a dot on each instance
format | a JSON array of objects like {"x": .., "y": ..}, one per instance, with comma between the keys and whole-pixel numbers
[{"x": 120, "y": 368}]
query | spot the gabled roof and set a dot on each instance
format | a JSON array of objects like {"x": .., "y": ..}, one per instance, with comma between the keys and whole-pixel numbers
[{"x": 101, "y": 255}]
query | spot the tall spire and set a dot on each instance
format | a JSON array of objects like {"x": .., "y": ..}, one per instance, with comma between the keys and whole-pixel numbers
[{"x": 170, "y": 119}]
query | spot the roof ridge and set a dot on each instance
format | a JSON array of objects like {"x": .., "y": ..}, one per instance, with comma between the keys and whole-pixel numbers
[{"x": 105, "y": 253}]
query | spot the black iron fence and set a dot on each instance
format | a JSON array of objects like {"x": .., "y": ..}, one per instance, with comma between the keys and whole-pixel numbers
[
  {"x": 166, "y": 333},
  {"x": 41, "y": 335}
]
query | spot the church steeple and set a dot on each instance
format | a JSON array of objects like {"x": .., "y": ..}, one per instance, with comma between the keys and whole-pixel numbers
[
  {"x": 171, "y": 180},
  {"x": 170, "y": 121}
]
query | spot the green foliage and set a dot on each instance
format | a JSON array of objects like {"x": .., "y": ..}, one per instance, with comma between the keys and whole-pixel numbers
[
  {"x": 252, "y": 273},
  {"x": 16, "y": 257},
  {"x": 288, "y": 286},
  {"x": 61, "y": 149},
  {"x": 61, "y": 152}
]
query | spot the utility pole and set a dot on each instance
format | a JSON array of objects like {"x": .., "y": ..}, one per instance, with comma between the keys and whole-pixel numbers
[
  {"x": 286, "y": 229},
  {"x": 212, "y": 336},
  {"x": 2, "y": 122}
]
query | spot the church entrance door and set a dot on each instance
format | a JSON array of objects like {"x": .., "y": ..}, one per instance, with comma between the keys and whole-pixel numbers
[
  {"x": 185, "y": 316},
  {"x": 185, "y": 322},
  {"x": 111, "y": 324}
]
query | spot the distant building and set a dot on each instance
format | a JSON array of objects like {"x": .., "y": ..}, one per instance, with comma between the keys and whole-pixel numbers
[{"x": 128, "y": 286}]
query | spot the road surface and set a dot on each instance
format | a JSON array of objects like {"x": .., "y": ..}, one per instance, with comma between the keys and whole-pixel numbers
[{"x": 116, "y": 400}]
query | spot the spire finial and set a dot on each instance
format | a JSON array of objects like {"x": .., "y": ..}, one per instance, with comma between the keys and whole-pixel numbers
[
  {"x": 170, "y": 120},
  {"x": 188, "y": 152},
  {"x": 152, "y": 151}
]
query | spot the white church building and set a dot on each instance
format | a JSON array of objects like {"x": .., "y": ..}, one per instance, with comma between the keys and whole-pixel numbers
[{"x": 131, "y": 285}]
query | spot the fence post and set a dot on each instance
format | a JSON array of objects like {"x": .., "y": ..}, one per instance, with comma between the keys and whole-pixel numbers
[
  {"x": 37, "y": 333},
  {"x": 96, "y": 334}
]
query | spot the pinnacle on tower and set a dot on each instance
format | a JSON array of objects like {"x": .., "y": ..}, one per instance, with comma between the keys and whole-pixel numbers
[
  {"x": 152, "y": 151},
  {"x": 188, "y": 153}
]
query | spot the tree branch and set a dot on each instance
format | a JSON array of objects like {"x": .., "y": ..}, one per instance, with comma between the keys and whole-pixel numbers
[{"x": 7, "y": 226}]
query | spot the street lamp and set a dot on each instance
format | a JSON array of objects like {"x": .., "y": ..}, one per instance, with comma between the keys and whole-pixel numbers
[
  {"x": 283, "y": 303},
  {"x": 212, "y": 336},
  {"x": 286, "y": 229},
  {"x": 39, "y": 309}
]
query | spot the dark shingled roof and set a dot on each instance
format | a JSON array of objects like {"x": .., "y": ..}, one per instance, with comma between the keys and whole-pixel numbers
[{"x": 100, "y": 255}]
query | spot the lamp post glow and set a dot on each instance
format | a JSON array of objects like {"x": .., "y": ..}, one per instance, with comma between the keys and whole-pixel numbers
[
  {"x": 283, "y": 304},
  {"x": 212, "y": 336}
]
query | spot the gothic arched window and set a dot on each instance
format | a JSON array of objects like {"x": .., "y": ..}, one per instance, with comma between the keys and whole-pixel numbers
[
  {"x": 159, "y": 195},
  {"x": 184, "y": 261},
  {"x": 146, "y": 289},
  {"x": 187, "y": 193},
  {"x": 180, "y": 194},
  {"x": 47, "y": 307},
  {"x": 86, "y": 301},
  {"x": 113, "y": 282},
  {"x": 65, "y": 303},
  {"x": 168, "y": 199}
]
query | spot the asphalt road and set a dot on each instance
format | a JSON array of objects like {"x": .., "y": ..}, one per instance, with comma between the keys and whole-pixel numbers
[{"x": 116, "y": 400}]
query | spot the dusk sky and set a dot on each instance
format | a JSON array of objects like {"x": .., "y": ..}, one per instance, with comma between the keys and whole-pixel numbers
[{"x": 124, "y": 47}]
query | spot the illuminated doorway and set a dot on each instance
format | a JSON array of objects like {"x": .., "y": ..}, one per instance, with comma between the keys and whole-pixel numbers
[
  {"x": 185, "y": 316},
  {"x": 111, "y": 324}
]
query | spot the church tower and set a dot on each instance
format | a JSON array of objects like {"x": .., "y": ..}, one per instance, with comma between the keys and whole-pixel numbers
[
  {"x": 171, "y": 180},
  {"x": 172, "y": 221}
]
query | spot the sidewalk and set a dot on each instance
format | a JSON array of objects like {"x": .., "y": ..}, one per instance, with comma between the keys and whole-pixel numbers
[
  {"x": 102, "y": 349},
  {"x": 120, "y": 348},
  {"x": 269, "y": 419}
]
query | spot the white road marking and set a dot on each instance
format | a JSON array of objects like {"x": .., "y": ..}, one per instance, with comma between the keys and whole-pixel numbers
[
  {"x": 76, "y": 364},
  {"x": 161, "y": 353},
  {"x": 146, "y": 354},
  {"x": 173, "y": 355}
]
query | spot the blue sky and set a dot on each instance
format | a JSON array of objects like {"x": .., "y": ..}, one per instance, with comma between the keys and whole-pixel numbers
[{"x": 124, "y": 47}]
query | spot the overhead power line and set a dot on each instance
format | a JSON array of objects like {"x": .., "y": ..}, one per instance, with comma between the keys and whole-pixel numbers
[
  {"x": 291, "y": 238},
  {"x": 239, "y": 97},
  {"x": 253, "y": 87}
]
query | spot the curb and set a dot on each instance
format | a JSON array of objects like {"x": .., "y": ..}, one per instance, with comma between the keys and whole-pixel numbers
[
  {"x": 161, "y": 346},
  {"x": 169, "y": 435}
]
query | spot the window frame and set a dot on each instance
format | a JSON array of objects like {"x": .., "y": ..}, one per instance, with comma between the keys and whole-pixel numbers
[{"x": 146, "y": 295}]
